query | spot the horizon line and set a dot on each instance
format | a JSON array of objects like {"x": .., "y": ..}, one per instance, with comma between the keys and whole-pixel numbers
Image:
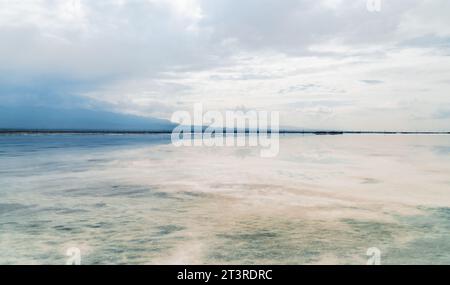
[{"x": 112, "y": 131}]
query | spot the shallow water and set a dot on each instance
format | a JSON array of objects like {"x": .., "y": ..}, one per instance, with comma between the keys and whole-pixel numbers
[{"x": 136, "y": 199}]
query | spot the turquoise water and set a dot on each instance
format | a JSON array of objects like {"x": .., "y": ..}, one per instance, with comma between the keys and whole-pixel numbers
[{"x": 136, "y": 199}]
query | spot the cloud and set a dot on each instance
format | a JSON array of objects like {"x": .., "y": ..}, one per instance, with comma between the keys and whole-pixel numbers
[
  {"x": 442, "y": 114},
  {"x": 372, "y": 81},
  {"x": 300, "y": 87},
  {"x": 291, "y": 26},
  {"x": 152, "y": 57},
  {"x": 85, "y": 39}
]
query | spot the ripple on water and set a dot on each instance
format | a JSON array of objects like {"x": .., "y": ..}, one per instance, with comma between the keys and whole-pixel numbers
[
  {"x": 10, "y": 207},
  {"x": 113, "y": 191},
  {"x": 169, "y": 229},
  {"x": 431, "y": 244}
]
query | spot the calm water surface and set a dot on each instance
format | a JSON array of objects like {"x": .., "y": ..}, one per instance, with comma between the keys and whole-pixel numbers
[{"x": 136, "y": 199}]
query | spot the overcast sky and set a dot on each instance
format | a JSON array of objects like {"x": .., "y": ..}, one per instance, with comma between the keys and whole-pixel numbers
[{"x": 321, "y": 63}]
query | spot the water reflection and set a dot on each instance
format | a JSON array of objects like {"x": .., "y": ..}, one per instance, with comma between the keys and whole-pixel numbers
[{"x": 137, "y": 199}]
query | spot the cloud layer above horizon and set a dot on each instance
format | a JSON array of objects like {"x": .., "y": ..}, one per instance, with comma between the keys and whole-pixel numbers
[{"x": 321, "y": 63}]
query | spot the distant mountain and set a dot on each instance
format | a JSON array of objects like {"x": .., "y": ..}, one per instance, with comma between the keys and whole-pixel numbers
[{"x": 76, "y": 119}]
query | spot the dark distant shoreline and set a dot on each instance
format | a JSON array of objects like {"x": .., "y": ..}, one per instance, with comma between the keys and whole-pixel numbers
[
  {"x": 131, "y": 132},
  {"x": 87, "y": 132}
]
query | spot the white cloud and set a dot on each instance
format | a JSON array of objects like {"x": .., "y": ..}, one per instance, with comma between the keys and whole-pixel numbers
[{"x": 151, "y": 57}]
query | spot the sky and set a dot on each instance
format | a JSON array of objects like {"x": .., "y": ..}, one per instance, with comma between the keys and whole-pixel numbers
[{"x": 329, "y": 64}]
